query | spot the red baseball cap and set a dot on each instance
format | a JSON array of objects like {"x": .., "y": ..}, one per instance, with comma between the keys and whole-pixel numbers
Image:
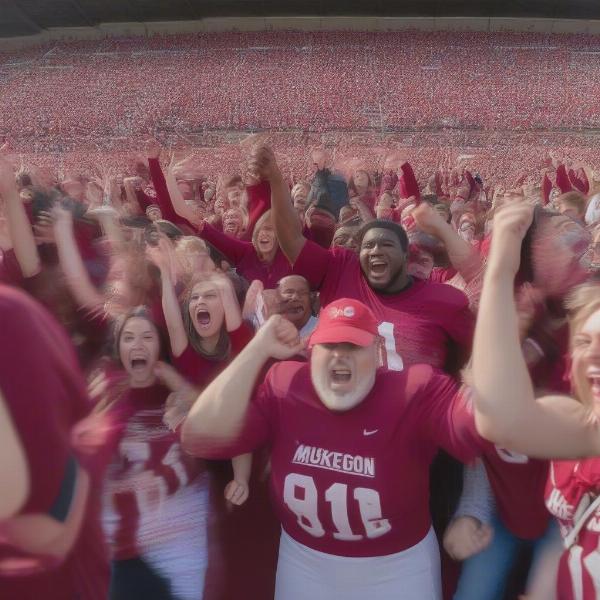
[{"x": 345, "y": 320}]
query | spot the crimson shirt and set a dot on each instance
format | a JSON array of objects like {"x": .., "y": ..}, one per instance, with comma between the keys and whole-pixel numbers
[
  {"x": 572, "y": 486},
  {"x": 147, "y": 470},
  {"x": 199, "y": 370},
  {"x": 417, "y": 324},
  {"x": 518, "y": 484},
  {"x": 46, "y": 396},
  {"x": 354, "y": 483},
  {"x": 243, "y": 256}
]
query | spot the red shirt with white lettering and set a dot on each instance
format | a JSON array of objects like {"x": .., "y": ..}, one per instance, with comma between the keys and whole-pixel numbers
[
  {"x": 428, "y": 323},
  {"x": 147, "y": 473},
  {"x": 572, "y": 486},
  {"x": 354, "y": 483}
]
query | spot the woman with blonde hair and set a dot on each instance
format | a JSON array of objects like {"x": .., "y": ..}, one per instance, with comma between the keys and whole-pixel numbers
[{"x": 564, "y": 428}]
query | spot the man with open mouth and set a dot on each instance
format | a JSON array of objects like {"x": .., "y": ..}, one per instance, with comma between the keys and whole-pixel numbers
[
  {"x": 420, "y": 321},
  {"x": 343, "y": 436}
]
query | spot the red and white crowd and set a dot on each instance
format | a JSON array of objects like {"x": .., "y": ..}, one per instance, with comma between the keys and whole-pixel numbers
[{"x": 264, "y": 382}]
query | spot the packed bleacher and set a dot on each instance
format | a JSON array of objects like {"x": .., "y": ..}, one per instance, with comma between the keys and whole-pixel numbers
[{"x": 243, "y": 366}]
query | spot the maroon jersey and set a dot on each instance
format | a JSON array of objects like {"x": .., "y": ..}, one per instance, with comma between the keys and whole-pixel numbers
[
  {"x": 355, "y": 483},
  {"x": 242, "y": 255},
  {"x": 417, "y": 324},
  {"x": 46, "y": 396},
  {"x": 146, "y": 475},
  {"x": 518, "y": 483},
  {"x": 199, "y": 370},
  {"x": 572, "y": 486}
]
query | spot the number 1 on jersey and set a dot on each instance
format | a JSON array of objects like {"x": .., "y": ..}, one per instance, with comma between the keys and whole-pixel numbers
[{"x": 394, "y": 360}]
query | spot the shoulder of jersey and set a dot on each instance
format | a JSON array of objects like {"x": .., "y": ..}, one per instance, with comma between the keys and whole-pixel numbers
[{"x": 443, "y": 293}]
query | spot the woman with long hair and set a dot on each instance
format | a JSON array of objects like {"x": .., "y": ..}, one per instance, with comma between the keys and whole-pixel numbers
[
  {"x": 205, "y": 332},
  {"x": 156, "y": 496},
  {"x": 565, "y": 428}
]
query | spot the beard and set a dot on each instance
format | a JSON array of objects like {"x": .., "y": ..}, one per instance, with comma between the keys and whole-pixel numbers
[{"x": 339, "y": 402}]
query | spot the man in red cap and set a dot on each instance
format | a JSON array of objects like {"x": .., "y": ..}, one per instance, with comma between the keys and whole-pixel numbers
[{"x": 350, "y": 452}]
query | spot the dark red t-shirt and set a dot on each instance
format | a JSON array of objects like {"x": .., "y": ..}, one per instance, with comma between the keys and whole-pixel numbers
[
  {"x": 419, "y": 325},
  {"x": 355, "y": 483},
  {"x": 147, "y": 470},
  {"x": 518, "y": 484},
  {"x": 242, "y": 255},
  {"x": 199, "y": 370},
  {"x": 45, "y": 393}
]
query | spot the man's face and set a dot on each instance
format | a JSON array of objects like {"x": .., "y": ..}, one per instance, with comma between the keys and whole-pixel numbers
[
  {"x": 299, "y": 197},
  {"x": 343, "y": 374},
  {"x": 382, "y": 259},
  {"x": 235, "y": 196},
  {"x": 232, "y": 222},
  {"x": 295, "y": 300},
  {"x": 344, "y": 238},
  {"x": 421, "y": 265}
]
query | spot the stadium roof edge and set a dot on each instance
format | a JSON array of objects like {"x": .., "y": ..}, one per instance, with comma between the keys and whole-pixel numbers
[{"x": 307, "y": 23}]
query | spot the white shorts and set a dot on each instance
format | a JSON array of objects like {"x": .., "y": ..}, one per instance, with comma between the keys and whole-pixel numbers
[{"x": 306, "y": 574}]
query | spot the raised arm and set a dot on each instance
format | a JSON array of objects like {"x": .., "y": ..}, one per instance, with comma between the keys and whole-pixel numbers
[
  {"x": 160, "y": 256},
  {"x": 285, "y": 218},
  {"x": 231, "y": 306},
  {"x": 76, "y": 275},
  {"x": 181, "y": 208},
  {"x": 23, "y": 241},
  {"x": 218, "y": 414},
  {"x": 506, "y": 409},
  {"x": 463, "y": 256}
]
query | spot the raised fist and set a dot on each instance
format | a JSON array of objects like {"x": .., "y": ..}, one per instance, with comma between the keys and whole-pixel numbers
[
  {"x": 262, "y": 164},
  {"x": 278, "y": 338}
]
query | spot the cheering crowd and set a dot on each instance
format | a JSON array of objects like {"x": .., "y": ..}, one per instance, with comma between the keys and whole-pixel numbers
[
  {"x": 259, "y": 387},
  {"x": 122, "y": 88}
]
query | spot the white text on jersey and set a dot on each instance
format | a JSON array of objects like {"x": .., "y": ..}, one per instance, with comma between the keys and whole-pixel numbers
[{"x": 334, "y": 461}]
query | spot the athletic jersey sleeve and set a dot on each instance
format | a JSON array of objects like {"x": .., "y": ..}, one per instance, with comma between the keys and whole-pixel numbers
[
  {"x": 446, "y": 413},
  {"x": 313, "y": 263},
  {"x": 234, "y": 250},
  {"x": 259, "y": 201}
]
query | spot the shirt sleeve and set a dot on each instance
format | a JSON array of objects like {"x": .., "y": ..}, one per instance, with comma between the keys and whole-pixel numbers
[
  {"x": 477, "y": 498},
  {"x": 446, "y": 413},
  {"x": 162, "y": 195},
  {"x": 313, "y": 263},
  {"x": 259, "y": 202},
  {"x": 408, "y": 183},
  {"x": 240, "y": 337},
  {"x": 234, "y": 250}
]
